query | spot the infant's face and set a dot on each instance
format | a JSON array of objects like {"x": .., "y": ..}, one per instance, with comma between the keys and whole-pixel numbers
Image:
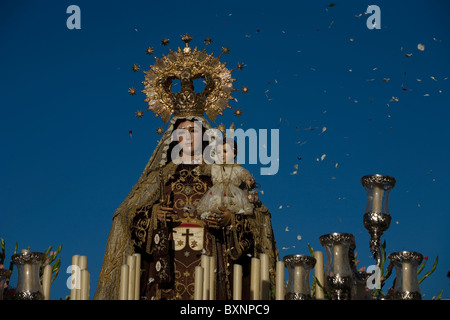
[{"x": 225, "y": 153}]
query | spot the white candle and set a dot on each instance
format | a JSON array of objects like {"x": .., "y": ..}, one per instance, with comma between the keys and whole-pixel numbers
[
  {"x": 82, "y": 264},
  {"x": 237, "y": 282},
  {"x": 280, "y": 287},
  {"x": 407, "y": 276},
  {"x": 47, "y": 281},
  {"x": 131, "y": 262},
  {"x": 137, "y": 283},
  {"x": 198, "y": 288},
  {"x": 299, "y": 276},
  {"x": 338, "y": 259},
  {"x": 123, "y": 292},
  {"x": 265, "y": 281},
  {"x": 378, "y": 193},
  {"x": 255, "y": 279},
  {"x": 212, "y": 278},
  {"x": 318, "y": 272},
  {"x": 75, "y": 277},
  {"x": 85, "y": 284},
  {"x": 205, "y": 266}
]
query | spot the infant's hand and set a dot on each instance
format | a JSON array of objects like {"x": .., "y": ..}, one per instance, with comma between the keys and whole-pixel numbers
[{"x": 218, "y": 220}]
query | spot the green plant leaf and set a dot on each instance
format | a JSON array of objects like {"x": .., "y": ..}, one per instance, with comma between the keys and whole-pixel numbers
[
  {"x": 438, "y": 296},
  {"x": 429, "y": 272},
  {"x": 327, "y": 293},
  {"x": 422, "y": 266},
  {"x": 311, "y": 250}
]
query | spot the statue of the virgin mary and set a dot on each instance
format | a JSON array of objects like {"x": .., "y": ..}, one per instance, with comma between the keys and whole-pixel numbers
[{"x": 158, "y": 218}]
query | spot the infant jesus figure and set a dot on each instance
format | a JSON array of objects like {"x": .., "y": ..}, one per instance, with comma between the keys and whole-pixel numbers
[{"x": 227, "y": 176}]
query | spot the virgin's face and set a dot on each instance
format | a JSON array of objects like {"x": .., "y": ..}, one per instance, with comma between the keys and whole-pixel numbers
[{"x": 190, "y": 137}]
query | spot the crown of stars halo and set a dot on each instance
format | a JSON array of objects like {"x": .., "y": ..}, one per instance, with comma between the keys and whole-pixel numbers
[{"x": 159, "y": 100}]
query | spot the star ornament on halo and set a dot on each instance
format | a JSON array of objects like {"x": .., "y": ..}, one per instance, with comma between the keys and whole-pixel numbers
[
  {"x": 238, "y": 112},
  {"x": 165, "y": 41},
  {"x": 160, "y": 130},
  {"x": 136, "y": 68},
  {"x": 240, "y": 66}
]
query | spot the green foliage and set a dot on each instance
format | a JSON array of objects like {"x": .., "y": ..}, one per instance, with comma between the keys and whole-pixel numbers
[
  {"x": 52, "y": 259},
  {"x": 429, "y": 272}
]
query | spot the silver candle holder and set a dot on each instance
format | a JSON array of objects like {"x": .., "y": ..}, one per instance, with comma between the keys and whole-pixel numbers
[
  {"x": 28, "y": 284},
  {"x": 299, "y": 266},
  {"x": 376, "y": 217},
  {"x": 339, "y": 249},
  {"x": 406, "y": 285}
]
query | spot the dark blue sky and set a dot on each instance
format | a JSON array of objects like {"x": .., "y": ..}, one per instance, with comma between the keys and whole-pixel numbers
[{"x": 68, "y": 161}]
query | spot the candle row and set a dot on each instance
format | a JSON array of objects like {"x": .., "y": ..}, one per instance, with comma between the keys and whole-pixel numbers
[
  {"x": 130, "y": 278},
  {"x": 259, "y": 279},
  {"x": 205, "y": 279},
  {"x": 79, "y": 291},
  {"x": 260, "y": 282}
]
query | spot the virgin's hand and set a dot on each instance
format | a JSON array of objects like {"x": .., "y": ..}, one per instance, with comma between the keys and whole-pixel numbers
[{"x": 165, "y": 213}]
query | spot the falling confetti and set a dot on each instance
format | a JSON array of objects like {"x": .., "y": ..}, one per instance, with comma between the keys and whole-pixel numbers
[
  {"x": 394, "y": 99},
  {"x": 421, "y": 47},
  {"x": 287, "y": 229},
  {"x": 130, "y": 133},
  {"x": 323, "y": 130},
  {"x": 299, "y": 237},
  {"x": 408, "y": 55},
  {"x": 296, "y": 170}
]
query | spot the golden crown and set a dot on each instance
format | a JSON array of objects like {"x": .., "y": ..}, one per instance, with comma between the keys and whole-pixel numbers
[{"x": 187, "y": 64}]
